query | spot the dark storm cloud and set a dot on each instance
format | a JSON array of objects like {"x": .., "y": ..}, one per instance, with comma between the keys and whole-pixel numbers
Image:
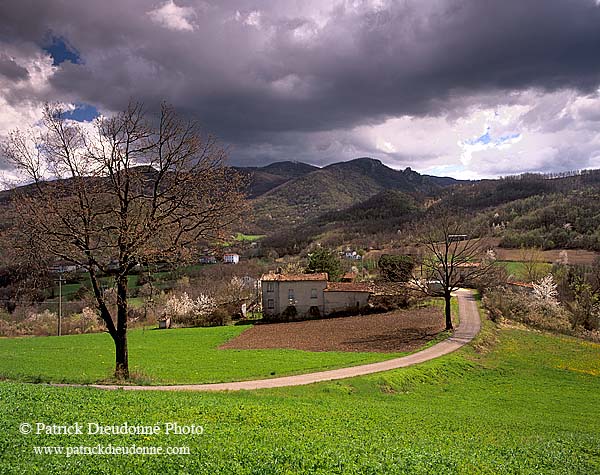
[
  {"x": 11, "y": 70},
  {"x": 255, "y": 70}
]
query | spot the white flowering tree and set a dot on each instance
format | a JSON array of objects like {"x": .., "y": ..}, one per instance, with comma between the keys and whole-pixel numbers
[
  {"x": 183, "y": 308},
  {"x": 546, "y": 290}
]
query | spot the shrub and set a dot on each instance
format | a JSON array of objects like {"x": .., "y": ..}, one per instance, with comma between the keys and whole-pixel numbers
[
  {"x": 395, "y": 268},
  {"x": 545, "y": 290},
  {"x": 218, "y": 317},
  {"x": 82, "y": 293},
  {"x": 526, "y": 308},
  {"x": 314, "y": 312},
  {"x": 290, "y": 313},
  {"x": 187, "y": 312},
  {"x": 585, "y": 307},
  {"x": 392, "y": 301}
]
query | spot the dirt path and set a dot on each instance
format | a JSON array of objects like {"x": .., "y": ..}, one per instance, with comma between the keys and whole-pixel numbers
[{"x": 468, "y": 328}]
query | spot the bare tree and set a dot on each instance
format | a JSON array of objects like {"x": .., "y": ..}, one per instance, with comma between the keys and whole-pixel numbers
[
  {"x": 451, "y": 258},
  {"x": 128, "y": 192},
  {"x": 533, "y": 264}
]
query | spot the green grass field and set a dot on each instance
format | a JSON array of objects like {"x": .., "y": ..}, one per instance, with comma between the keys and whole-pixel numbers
[
  {"x": 249, "y": 237},
  {"x": 526, "y": 404},
  {"x": 183, "y": 355},
  {"x": 186, "y": 355},
  {"x": 517, "y": 269}
]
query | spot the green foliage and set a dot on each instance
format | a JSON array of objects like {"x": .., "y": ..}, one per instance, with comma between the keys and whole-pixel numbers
[
  {"x": 585, "y": 309},
  {"x": 579, "y": 290},
  {"x": 525, "y": 308},
  {"x": 248, "y": 237},
  {"x": 527, "y": 406},
  {"x": 395, "y": 268},
  {"x": 569, "y": 219},
  {"x": 324, "y": 260}
]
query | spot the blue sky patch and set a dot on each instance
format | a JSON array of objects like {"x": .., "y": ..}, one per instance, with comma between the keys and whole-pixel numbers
[
  {"x": 487, "y": 138},
  {"x": 445, "y": 170},
  {"x": 82, "y": 113},
  {"x": 484, "y": 139},
  {"x": 61, "y": 51}
]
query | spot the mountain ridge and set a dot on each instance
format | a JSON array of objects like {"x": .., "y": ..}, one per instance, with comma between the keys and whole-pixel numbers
[{"x": 338, "y": 186}]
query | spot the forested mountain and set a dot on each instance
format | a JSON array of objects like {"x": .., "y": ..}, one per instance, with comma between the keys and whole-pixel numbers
[
  {"x": 263, "y": 179},
  {"x": 336, "y": 188},
  {"x": 295, "y": 204},
  {"x": 529, "y": 210}
]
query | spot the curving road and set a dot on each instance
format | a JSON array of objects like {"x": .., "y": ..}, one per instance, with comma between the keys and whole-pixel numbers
[{"x": 467, "y": 329}]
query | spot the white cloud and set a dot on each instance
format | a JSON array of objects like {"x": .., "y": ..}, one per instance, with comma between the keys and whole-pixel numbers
[
  {"x": 253, "y": 19},
  {"x": 537, "y": 132},
  {"x": 173, "y": 17},
  {"x": 21, "y": 101}
]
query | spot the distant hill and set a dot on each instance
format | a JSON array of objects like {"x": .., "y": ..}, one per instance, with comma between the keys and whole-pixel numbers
[
  {"x": 289, "y": 169},
  {"x": 263, "y": 179},
  {"x": 337, "y": 187},
  {"x": 387, "y": 210},
  {"x": 529, "y": 210},
  {"x": 296, "y": 203}
]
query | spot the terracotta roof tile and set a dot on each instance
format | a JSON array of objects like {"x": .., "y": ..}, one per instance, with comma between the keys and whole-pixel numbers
[
  {"x": 293, "y": 277},
  {"x": 528, "y": 285},
  {"x": 347, "y": 287}
]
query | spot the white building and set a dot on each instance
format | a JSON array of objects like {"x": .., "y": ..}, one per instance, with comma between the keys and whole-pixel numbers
[
  {"x": 310, "y": 295},
  {"x": 231, "y": 258}
]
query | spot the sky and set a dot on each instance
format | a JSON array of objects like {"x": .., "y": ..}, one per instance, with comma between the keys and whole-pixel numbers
[{"x": 464, "y": 88}]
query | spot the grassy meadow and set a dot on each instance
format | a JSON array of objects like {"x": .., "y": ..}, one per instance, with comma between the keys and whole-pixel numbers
[
  {"x": 175, "y": 356},
  {"x": 515, "y": 402},
  {"x": 518, "y": 269},
  {"x": 184, "y": 355}
]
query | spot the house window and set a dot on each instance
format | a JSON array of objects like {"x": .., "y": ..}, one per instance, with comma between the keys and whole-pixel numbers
[
  {"x": 271, "y": 304},
  {"x": 313, "y": 293},
  {"x": 270, "y": 287},
  {"x": 291, "y": 295}
]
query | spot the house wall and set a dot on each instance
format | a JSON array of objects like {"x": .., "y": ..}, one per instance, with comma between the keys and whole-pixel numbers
[
  {"x": 342, "y": 301},
  {"x": 302, "y": 297}
]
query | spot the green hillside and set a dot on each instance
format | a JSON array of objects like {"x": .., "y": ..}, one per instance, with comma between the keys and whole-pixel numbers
[
  {"x": 335, "y": 188},
  {"x": 526, "y": 404}
]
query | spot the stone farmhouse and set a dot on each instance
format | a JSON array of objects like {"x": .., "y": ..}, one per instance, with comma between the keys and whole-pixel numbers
[{"x": 297, "y": 296}]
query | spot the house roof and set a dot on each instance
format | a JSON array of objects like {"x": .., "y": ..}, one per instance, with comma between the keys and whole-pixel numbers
[
  {"x": 230, "y": 254},
  {"x": 293, "y": 277},
  {"x": 348, "y": 287},
  {"x": 528, "y": 285}
]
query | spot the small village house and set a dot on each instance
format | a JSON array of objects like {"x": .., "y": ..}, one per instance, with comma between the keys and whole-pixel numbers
[
  {"x": 310, "y": 295},
  {"x": 349, "y": 254},
  {"x": 231, "y": 258}
]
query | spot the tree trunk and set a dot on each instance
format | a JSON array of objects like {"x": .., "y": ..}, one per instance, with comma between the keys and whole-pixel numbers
[
  {"x": 121, "y": 355},
  {"x": 447, "y": 298}
]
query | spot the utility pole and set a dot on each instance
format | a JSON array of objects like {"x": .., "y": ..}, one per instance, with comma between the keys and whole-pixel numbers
[{"x": 60, "y": 282}]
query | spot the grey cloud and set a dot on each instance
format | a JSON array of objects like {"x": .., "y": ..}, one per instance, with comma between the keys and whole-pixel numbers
[
  {"x": 10, "y": 69},
  {"x": 314, "y": 68}
]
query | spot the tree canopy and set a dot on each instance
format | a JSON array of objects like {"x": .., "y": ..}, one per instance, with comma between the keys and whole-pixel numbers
[
  {"x": 127, "y": 190},
  {"x": 325, "y": 260}
]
